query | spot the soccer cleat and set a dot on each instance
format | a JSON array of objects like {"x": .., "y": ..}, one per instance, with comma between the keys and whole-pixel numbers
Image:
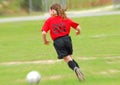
[{"x": 79, "y": 74}]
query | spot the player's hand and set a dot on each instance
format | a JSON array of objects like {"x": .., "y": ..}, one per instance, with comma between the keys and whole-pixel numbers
[
  {"x": 46, "y": 42},
  {"x": 77, "y": 32}
]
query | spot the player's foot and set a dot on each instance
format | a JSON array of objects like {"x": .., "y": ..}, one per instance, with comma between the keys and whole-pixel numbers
[{"x": 79, "y": 74}]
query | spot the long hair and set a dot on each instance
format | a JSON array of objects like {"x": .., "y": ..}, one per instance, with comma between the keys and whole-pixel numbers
[{"x": 59, "y": 9}]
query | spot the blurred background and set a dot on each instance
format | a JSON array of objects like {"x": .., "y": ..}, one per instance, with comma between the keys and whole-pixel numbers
[
  {"x": 36, "y": 7},
  {"x": 97, "y": 50}
]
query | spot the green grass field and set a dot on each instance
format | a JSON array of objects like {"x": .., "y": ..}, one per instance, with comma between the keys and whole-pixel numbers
[{"x": 97, "y": 50}]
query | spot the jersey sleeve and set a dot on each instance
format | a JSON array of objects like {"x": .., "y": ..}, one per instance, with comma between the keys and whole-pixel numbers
[
  {"x": 46, "y": 26},
  {"x": 73, "y": 24}
]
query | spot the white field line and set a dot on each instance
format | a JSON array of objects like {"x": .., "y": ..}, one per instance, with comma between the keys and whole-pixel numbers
[
  {"x": 113, "y": 57},
  {"x": 41, "y": 61},
  {"x": 104, "y": 35},
  {"x": 45, "y": 78},
  {"x": 112, "y": 62},
  {"x": 109, "y": 71},
  {"x": 52, "y": 61},
  {"x": 30, "y": 62},
  {"x": 53, "y": 77},
  {"x": 87, "y": 58}
]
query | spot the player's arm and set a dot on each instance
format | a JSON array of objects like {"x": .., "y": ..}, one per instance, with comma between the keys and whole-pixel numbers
[
  {"x": 75, "y": 25},
  {"x": 78, "y": 29},
  {"x": 46, "y": 42}
]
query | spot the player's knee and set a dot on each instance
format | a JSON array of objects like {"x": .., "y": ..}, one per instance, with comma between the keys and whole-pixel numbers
[{"x": 67, "y": 59}]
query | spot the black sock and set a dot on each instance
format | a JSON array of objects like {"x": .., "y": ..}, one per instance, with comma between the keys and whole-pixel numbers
[
  {"x": 72, "y": 65},
  {"x": 76, "y": 63}
]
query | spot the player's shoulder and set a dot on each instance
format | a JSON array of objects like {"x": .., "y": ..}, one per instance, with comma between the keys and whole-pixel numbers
[
  {"x": 68, "y": 19},
  {"x": 49, "y": 18}
]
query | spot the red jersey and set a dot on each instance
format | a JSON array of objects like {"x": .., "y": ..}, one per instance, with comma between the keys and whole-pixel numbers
[{"x": 58, "y": 26}]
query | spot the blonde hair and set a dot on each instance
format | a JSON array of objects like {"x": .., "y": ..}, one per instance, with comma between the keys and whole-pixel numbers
[{"x": 60, "y": 11}]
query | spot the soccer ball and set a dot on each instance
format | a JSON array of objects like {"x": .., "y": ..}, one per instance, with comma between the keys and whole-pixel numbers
[{"x": 33, "y": 77}]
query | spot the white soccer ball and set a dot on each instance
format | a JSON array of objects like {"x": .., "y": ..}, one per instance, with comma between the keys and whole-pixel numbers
[{"x": 33, "y": 77}]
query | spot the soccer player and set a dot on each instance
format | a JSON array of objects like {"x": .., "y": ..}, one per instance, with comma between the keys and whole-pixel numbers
[{"x": 59, "y": 26}]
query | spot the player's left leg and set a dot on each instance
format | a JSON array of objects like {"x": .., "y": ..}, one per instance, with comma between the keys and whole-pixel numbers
[
  {"x": 74, "y": 66},
  {"x": 74, "y": 62},
  {"x": 70, "y": 62}
]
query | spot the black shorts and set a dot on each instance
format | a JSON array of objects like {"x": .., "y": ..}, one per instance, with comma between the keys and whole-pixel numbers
[{"x": 63, "y": 46}]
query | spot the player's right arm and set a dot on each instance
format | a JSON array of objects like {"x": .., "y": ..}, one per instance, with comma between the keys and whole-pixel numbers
[
  {"x": 46, "y": 42},
  {"x": 76, "y": 26},
  {"x": 45, "y": 29},
  {"x": 78, "y": 30}
]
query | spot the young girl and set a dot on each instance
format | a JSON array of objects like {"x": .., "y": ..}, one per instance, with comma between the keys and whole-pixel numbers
[{"x": 59, "y": 25}]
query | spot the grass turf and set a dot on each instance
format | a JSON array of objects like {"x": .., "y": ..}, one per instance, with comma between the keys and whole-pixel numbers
[{"x": 96, "y": 50}]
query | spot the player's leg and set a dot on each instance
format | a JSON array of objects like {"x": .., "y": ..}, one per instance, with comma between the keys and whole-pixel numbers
[
  {"x": 74, "y": 62},
  {"x": 79, "y": 74},
  {"x": 68, "y": 59},
  {"x": 70, "y": 62},
  {"x": 64, "y": 50}
]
